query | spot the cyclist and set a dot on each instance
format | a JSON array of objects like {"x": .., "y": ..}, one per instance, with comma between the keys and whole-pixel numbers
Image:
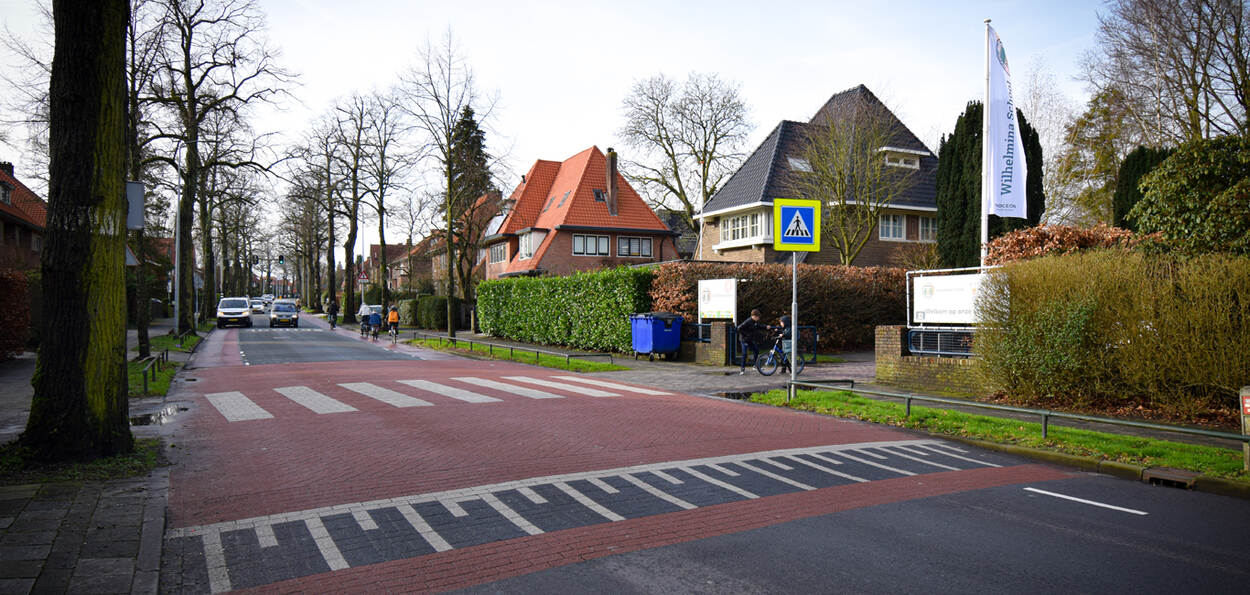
[
  {"x": 332, "y": 313},
  {"x": 363, "y": 314},
  {"x": 375, "y": 323},
  {"x": 392, "y": 322},
  {"x": 750, "y": 333},
  {"x": 783, "y": 334}
]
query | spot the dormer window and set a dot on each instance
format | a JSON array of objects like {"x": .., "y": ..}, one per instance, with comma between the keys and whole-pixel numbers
[
  {"x": 800, "y": 164},
  {"x": 898, "y": 160},
  {"x": 601, "y": 195},
  {"x": 6, "y": 193}
]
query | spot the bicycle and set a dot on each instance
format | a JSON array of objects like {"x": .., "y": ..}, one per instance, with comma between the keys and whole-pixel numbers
[
  {"x": 394, "y": 332},
  {"x": 768, "y": 362},
  {"x": 364, "y": 328},
  {"x": 333, "y": 320}
]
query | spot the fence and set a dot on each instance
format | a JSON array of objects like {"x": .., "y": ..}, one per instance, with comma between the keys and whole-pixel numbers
[{"x": 154, "y": 365}]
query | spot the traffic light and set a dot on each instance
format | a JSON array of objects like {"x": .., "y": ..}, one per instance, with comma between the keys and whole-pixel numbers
[
  {"x": 281, "y": 259},
  {"x": 255, "y": 260}
]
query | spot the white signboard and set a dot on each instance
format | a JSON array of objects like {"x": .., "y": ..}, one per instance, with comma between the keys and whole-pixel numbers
[
  {"x": 718, "y": 298},
  {"x": 945, "y": 299}
]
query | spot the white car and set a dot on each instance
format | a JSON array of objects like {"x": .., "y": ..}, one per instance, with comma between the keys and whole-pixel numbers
[
  {"x": 234, "y": 310},
  {"x": 258, "y": 306}
]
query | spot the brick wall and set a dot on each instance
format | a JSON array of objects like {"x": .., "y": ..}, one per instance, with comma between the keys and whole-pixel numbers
[
  {"x": 947, "y": 376},
  {"x": 713, "y": 353}
]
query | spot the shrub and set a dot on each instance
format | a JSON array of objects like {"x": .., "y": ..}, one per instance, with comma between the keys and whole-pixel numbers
[
  {"x": 1199, "y": 198},
  {"x": 408, "y": 312},
  {"x": 14, "y": 313},
  {"x": 1109, "y": 326},
  {"x": 587, "y": 310},
  {"x": 845, "y": 303},
  {"x": 432, "y": 311},
  {"x": 1048, "y": 240}
]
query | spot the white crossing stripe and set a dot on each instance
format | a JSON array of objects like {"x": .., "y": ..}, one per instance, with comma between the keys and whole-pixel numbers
[
  {"x": 435, "y": 540},
  {"x": 920, "y": 460},
  {"x": 534, "y": 497},
  {"x": 782, "y": 466},
  {"x": 1090, "y": 502},
  {"x": 872, "y": 454},
  {"x": 666, "y": 477},
  {"x": 329, "y": 551},
  {"x": 265, "y": 536},
  {"x": 603, "y": 485},
  {"x": 781, "y": 478},
  {"x": 509, "y": 388},
  {"x": 581, "y": 390},
  {"x": 725, "y": 470},
  {"x": 454, "y": 508},
  {"x": 215, "y": 559},
  {"x": 365, "y": 521},
  {"x": 953, "y": 456},
  {"x": 613, "y": 385},
  {"x": 825, "y": 458},
  {"x": 915, "y": 451},
  {"x": 667, "y": 497},
  {"x": 511, "y": 515},
  {"x": 877, "y": 465},
  {"x": 236, "y": 407},
  {"x": 712, "y": 480},
  {"x": 587, "y": 502},
  {"x": 313, "y": 400},
  {"x": 448, "y": 391},
  {"x": 827, "y": 470},
  {"x": 385, "y": 395}
]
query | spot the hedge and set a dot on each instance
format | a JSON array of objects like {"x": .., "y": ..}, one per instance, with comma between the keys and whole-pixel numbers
[
  {"x": 845, "y": 303},
  {"x": 432, "y": 311},
  {"x": 408, "y": 312},
  {"x": 14, "y": 313},
  {"x": 586, "y": 310},
  {"x": 1111, "y": 328}
]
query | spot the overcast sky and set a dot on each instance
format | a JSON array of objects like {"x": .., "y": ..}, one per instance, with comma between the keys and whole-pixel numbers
[{"x": 561, "y": 69}]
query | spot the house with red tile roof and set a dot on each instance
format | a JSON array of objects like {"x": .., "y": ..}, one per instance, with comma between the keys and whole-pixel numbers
[
  {"x": 22, "y": 218},
  {"x": 574, "y": 215}
]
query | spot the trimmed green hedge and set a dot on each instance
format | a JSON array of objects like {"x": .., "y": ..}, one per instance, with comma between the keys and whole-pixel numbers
[
  {"x": 432, "y": 311},
  {"x": 584, "y": 310}
]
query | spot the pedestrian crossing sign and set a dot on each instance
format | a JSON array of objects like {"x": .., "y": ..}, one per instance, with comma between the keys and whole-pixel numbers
[{"x": 796, "y": 225}]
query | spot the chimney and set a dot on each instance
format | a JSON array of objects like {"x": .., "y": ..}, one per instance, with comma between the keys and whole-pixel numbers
[
  {"x": 7, "y": 168},
  {"x": 612, "y": 187},
  {"x": 522, "y": 178}
]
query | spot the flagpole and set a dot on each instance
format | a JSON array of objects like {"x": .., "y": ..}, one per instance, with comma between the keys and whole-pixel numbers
[{"x": 985, "y": 152}]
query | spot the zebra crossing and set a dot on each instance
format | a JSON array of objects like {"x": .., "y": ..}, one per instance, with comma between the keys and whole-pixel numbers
[
  {"x": 261, "y": 550},
  {"x": 235, "y": 406}
]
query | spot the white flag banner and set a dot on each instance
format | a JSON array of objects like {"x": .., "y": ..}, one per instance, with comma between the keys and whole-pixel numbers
[{"x": 1004, "y": 170}]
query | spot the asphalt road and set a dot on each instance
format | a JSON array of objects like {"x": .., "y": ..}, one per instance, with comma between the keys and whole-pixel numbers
[{"x": 407, "y": 469}]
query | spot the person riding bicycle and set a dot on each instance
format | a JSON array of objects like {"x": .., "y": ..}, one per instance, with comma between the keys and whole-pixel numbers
[
  {"x": 375, "y": 323},
  {"x": 751, "y": 335},
  {"x": 332, "y": 313},
  {"x": 783, "y": 333},
  {"x": 363, "y": 314},
  {"x": 392, "y": 320}
]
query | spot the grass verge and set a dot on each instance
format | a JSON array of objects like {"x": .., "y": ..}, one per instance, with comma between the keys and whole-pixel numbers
[
  {"x": 170, "y": 342},
  {"x": 525, "y": 357},
  {"x": 158, "y": 386},
  {"x": 16, "y": 468},
  {"x": 1211, "y": 461}
]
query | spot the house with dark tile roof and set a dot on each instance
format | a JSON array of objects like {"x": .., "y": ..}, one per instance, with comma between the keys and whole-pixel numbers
[
  {"x": 23, "y": 216},
  {"x": 575, "y": 215},
  {"x": 736, "y": 223}
]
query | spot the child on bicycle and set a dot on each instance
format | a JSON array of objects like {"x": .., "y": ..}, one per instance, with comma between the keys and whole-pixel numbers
[
  {"x": 392, "y": 320},
  {"x": 375, "y": 323}
]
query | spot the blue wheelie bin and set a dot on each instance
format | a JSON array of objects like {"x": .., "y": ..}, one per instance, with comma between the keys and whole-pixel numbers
[{"x": 655, "y": 333}]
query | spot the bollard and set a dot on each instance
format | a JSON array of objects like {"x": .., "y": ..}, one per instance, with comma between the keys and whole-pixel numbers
[{"x": 1245, "y": 426}]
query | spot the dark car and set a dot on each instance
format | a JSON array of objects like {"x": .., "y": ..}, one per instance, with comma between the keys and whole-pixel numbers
[{"x": 283, "y": 312}]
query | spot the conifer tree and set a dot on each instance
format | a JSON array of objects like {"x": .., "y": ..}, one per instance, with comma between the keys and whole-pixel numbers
[{"x": 1136, "y": 165}]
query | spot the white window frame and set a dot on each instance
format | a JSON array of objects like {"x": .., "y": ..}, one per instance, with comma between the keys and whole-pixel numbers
[
  {"x": 625, "y": 247},
  {"x": 747, "y": 226},
  {"x": 902, "y": 160},
  {"x": 800, "y": 164},
  {"x": 602, "y": 245},
  {"x": 890, "y": 222},
  {"x": 931, "y": 228},
  {"x": 525, "y": 249},
  {"x": 498, "y": 253}
]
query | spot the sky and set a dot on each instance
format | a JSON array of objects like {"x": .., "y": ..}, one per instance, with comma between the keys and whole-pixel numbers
[{"x": 560, "y": 70}]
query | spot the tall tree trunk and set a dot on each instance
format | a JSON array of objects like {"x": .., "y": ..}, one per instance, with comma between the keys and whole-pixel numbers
[
  {"x": 80, "y": 408},
  {"x": 208, "y": 301},
  {"x": 382, "y": 256}
]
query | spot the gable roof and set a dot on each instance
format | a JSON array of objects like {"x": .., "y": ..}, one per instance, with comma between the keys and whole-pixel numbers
[
  {"x": 26, "y": 208},
  {"x": 767, "y": 174}
]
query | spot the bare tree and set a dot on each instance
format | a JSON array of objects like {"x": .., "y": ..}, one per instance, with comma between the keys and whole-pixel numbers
[
  {"x": 352, "y": 156},
  {"x": 1050, "y": 112},
  {"x": 27, "y": 95},
  {"x": 850, "y": 174},
  {"x": 690, "y": 138},
  {"x": 388, "y": 163}
]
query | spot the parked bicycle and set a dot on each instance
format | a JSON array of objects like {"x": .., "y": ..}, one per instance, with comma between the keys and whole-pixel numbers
[{"x": 777, "y": 357}]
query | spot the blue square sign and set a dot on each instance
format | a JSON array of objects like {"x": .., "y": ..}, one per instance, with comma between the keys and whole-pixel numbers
[{"x": 796, "y": 224}]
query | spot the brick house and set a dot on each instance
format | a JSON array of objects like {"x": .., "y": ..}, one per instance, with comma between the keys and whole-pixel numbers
[
  {"x": 736, "y": 223},
  {"x": 419, "y": 259},
  {"x": 574, "y": 215},
  {"x": 475, "y": 222},
  {"x": 22, "y": 218}
]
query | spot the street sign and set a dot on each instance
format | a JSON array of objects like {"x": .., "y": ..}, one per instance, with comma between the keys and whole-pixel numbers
[
  {"x": 796, "y": 225},
  {"x": 362, "y": 278}
]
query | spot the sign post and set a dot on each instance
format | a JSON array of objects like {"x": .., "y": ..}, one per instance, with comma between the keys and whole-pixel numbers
[
  {"x": 1245, "y": 426},
  {"x": 796, "y": 228}
]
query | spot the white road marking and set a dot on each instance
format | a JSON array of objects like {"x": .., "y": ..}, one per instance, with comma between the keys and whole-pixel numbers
[
  {"x": 825, "y": 458},
  {"x": 953, "y": 456},
  {"x": 725, "y": 470},
  {"x": 827, "y": 470},
  {"x": 313, "y": 400},
  {"x": 612, "y": 385},
  {"x": 511, "y": 515},
  {"x": 385, "y": 395},
  {"x": 265, "y": 536},
  {"x": 509, "y": 388},
  {"x": 215, "y": 559},
  {"x": 667, "y": 497},
  {"x": 877, "y": 465},
  {"x": 666, "y": 477},
  {"x": 587, "y": 502},
  {"x": 873, "y": 455},
  {"x": 454, "y": 508},
  {"x": 435, "y": 540},
  {"x": 581, "y": 390},
  {"x": 365, "y": 521},
  {"x": 712, "y": 480},
  {"x": 603, "y": 485},
  {"x": 896, "y": 452},
  {"x": 781, "y": 478},
  {"x": 450, "y": 392},
  {"x": 1083, "y": 501},
  {"x": 329, "y": 551},
  {"x": 234, "y": 406},
  {"x": 534, "y": 497},
  {"x": 781, "y": 466}
]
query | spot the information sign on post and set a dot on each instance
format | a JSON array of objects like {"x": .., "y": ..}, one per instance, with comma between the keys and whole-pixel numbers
[
  {"x": 718, "y": 298},
  {"x": 796, "y": 228}
]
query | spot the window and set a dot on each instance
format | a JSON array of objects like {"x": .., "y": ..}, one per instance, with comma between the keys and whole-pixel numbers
[
  {"x": 893, "y": 227},
  {"x": 799, "y": 164},
  {"x": 928, "y": 229},
  {"x": 899, "y": 160},
  {"x": 6, "y": 193},
  {"x": 36, "y": 242},
  {"x": 585, "y": 245},
  {"x": 526, "y": 249},
  {"x": 638, "y": 247},
  {"x": 498, "y": 253},
  {"x": 742, "y": 227},
  {"x": 600, "y": 195}
]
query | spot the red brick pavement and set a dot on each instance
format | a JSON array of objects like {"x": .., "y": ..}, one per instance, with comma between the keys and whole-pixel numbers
[
  {"x": 498, "y": 560},
  {"x": 300, "y": 460}
]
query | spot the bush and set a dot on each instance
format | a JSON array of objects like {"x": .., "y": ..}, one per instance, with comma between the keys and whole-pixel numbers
[
  {"x": 432, "y": 311},
  {"x": 1054, "y": 240},
  {"x": 1106, "y": 327},
  {"x": 408, "y": 312},
  {"x": 14, "y": 313},
  {"x": 373, "y": 294},
  {"x": 1199, "y": 198},
  {"x": 586, "y": 310},
  {"x": 845, "y": 303}
]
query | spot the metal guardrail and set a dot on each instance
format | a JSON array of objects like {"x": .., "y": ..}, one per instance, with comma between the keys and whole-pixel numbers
[
  {"x": 940, "y": 341},
  {"x": 1044, "y": 414},
  {"x": 183, "y": 336},
  {"x": 512, "y": 349},
  {"x": 155, "y": 363}
]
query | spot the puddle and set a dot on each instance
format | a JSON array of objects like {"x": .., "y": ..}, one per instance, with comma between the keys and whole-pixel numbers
[
  {"x": 160, "y": 417},
  {"x": 736, "y": 396}
]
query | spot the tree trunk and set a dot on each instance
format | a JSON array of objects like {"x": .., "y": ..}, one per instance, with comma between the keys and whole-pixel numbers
[
  {"x": 80, "y": 409},
  {"x": 382, "y": 256}
]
